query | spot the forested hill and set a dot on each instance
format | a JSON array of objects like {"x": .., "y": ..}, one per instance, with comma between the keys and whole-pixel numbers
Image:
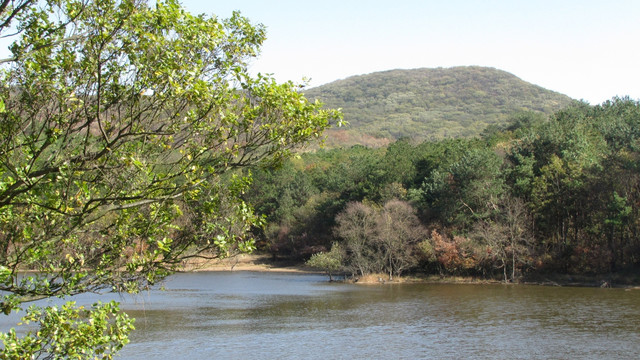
[{"x": 430, "y": 103}]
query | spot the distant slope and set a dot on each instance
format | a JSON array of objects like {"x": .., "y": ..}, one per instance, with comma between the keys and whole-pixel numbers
[{"x": 430, "y": 103}]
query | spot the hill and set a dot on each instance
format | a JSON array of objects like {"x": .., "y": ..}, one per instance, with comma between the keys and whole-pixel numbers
[{"x": 430, "y": 103}]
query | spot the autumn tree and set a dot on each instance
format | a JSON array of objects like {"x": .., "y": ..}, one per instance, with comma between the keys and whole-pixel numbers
[
  {"x": 453, "y": 255},
  {"x": 117, "y": 120}
]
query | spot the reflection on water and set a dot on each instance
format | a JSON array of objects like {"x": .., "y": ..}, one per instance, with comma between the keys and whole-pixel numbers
[{"x": 244, "y": 315}]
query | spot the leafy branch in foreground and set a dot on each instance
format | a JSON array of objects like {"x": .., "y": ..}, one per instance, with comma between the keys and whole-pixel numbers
[{"x": 121, "y": 127}]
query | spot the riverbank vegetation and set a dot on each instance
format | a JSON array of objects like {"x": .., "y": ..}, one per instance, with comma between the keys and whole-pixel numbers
[{"x": 537, "y": 196}]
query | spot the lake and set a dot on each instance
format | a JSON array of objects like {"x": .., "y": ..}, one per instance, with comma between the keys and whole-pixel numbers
[
  {"x": 243, "y": 315},
  {"x": 247, "y": 315}
]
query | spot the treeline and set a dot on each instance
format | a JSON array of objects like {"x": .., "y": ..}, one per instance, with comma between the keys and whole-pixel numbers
[{"x": 556, "y": 194}]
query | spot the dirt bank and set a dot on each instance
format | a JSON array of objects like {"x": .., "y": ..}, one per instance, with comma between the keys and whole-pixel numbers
[{"x": 246, "y": 262}]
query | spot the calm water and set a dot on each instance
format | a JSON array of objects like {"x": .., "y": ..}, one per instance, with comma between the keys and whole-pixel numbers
[{"x": 244, "y": 315}]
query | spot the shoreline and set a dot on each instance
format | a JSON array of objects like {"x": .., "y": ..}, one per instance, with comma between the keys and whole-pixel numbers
[
  {"x": 265, "y": 263},
  {"x": 246, "y": 262}
]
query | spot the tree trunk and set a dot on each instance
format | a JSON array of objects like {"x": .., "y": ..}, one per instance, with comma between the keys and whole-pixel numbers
[
  {"x": 513, "y": 266},
  {"x": 504, "y": 271}
]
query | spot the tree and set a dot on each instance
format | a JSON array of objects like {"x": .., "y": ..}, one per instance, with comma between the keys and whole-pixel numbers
[
  {"x": 557, "y": 166},
  {"x": 121, "y": 124},
  {"x": 378, "y": 240},
  {"x": 356, "y": 226},
  {"x": 507, "y": 237},
  {"x": 330, "y": 262},
  {"x": 467, "y": 191},
  {"x": 456, "y": 255},
  {"x": 398, "y": 231}
]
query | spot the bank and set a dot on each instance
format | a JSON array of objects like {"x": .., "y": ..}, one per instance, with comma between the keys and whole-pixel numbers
[{"x": 266, "y": 263}]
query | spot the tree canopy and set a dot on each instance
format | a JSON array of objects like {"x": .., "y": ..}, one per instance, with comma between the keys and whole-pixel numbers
[{"x": 555, "y": 195}]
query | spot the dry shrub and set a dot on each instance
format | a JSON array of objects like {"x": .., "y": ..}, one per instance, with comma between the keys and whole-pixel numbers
[
  {"x": 453, "y": 255},
  {"x": 375, "y": 278}
]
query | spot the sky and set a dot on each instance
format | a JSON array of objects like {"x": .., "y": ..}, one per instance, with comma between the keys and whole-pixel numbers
[{"x": 585, "y": 49}]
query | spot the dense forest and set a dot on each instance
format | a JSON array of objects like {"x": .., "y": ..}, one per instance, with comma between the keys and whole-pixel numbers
[
  {"x": 430, "y": 104},
  {"x": 556, "y": 194}
]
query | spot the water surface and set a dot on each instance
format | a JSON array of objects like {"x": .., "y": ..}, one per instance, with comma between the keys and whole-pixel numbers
[{"x": 245, "y": 315}]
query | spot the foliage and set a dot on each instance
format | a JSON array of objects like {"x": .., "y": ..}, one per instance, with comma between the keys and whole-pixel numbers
[
  {"x": 467, "y": 190},
  {"x": 306, "y": 194},
  {"x": 123, "y": 127},
  {"x": 330, "y": 262},
  {"x": 455, "y": 255},
  {"x": 557, "y": 194},
  {"x": 70, "y": 332},
  {"x": 570, "y": 170}
]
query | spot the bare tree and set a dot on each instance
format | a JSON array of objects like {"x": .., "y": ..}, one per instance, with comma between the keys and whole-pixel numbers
[
  {"x": 378, "y": 240},
  {"x": 398, "y": 230},
  {"x": 507, "y": 238},
  {"x": 356, "y": 226}
]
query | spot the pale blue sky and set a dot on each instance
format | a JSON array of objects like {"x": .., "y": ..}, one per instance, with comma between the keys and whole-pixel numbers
[{"x": 586, "y": 49}]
